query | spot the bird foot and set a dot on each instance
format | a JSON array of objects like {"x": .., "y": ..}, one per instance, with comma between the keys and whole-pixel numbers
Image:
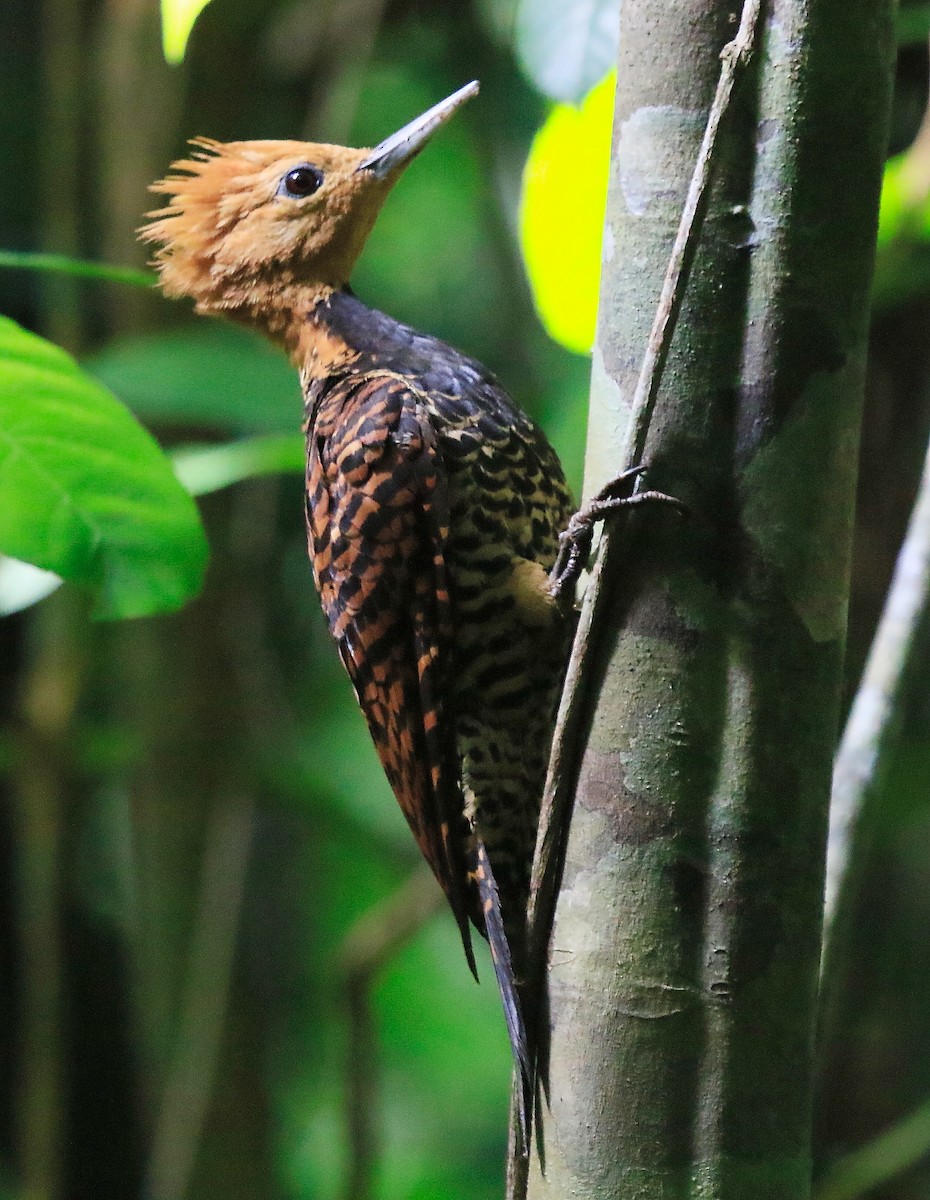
[{"x": 576, "y": 539}]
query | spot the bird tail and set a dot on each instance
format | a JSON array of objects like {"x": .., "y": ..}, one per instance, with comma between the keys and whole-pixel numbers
[{"x": 509, "y": 988}]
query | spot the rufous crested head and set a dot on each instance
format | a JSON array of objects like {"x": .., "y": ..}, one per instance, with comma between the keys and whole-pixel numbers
[
  {"x": 260, "y": 230},
  {"x": 247, "y": 219}
]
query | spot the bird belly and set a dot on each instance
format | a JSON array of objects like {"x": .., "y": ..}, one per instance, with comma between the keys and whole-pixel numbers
[{"x": 510, "y": 643}]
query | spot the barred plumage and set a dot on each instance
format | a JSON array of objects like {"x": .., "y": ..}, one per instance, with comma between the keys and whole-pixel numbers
[{"x": 434, "y": 508}]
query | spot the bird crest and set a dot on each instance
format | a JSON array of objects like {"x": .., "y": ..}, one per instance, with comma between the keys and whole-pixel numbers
[
  {"x": 249, "y": 222},
  {"x": 261, "y": 231}
]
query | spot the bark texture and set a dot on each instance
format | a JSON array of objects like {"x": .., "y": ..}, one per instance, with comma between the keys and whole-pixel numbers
[{"x": 684, "y": 954}]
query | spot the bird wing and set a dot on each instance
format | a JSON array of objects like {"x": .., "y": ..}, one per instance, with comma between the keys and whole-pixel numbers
[{"x": 378, "y": 526}]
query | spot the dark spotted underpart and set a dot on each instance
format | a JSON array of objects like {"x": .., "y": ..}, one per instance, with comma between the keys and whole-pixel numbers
[{"x": 433, "y": 509}]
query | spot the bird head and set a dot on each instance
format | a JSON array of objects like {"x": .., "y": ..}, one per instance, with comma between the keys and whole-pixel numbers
[{"x": 253, "y": 227}]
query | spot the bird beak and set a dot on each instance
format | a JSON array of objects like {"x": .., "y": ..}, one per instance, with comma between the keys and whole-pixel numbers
[{"x": 397, "y": 150}]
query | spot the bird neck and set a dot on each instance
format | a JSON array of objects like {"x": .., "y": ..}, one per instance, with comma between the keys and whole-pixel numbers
[
  {"x": 295, "y": 318},
  {"x": 347, "y": 334},
  {"x": 328, "y": 330}
]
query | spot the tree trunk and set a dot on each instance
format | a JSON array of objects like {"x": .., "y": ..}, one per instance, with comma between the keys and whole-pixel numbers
[{"x": 684, "y": 954}]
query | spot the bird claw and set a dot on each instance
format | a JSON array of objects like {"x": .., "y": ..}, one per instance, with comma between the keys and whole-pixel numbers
[{"x": 576, "y": 539}]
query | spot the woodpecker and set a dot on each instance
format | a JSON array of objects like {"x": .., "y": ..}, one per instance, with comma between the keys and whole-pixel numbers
[{"x": 434, "y": 509}]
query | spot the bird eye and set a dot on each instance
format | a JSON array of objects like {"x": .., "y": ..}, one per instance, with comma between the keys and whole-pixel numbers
[{"x": 301, "y": 181}]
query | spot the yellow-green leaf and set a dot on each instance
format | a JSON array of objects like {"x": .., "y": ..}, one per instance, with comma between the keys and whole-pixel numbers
[
  {"x": 897, "y": 209},
  {"x": 562, "y": 215},
  {"x": 177, "y": 21}
]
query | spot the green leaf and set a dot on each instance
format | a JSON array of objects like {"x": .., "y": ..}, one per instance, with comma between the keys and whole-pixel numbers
[
  {"x": 567, "y": 46},
  {"x": 902, "y": 1146},
  {"x": 204, "y": 469},
  {"x": 561, "y": 227},
  {"x": 177, "y": 21},
  {"x": 896, "y": 212},
  {"x": 85, "y": 491},
  {"x": 61, "y": 264},
  {"x": 209, "y": 375},
  {"x": 902, "y": 264},
  {"x": 201, "y": 469}
]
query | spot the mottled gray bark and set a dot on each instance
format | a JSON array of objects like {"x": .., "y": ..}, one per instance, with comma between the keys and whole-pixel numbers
[{"x": 683, "y": 960}]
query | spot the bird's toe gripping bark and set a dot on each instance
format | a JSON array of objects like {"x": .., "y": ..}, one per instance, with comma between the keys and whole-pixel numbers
[{"x": 575, "y": 541}]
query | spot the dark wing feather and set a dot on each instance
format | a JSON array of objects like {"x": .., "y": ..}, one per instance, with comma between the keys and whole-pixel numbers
[
  {"x": 481, "y": 872},
  {"x": 378, "y": 525}
]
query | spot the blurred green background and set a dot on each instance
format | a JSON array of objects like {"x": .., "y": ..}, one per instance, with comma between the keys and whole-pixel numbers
[{"x": 223, "y": 972}]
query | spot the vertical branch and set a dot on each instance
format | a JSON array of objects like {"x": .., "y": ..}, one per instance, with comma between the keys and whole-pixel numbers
[
  {"x": 371, "y": 943},
  {"x": 683, "y": 959},
  {"x": 251, "y": 702},
  {"x": 556, "y": 802},
  {"x": 39, "y": 791},
  {"x": 59, "y": 152},
  {"x": 874, "y": 721},
  {"x": 189, "y": 1086},
  {"x": 557, "y": 799},
  {"x": 138, "y": 96}
]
